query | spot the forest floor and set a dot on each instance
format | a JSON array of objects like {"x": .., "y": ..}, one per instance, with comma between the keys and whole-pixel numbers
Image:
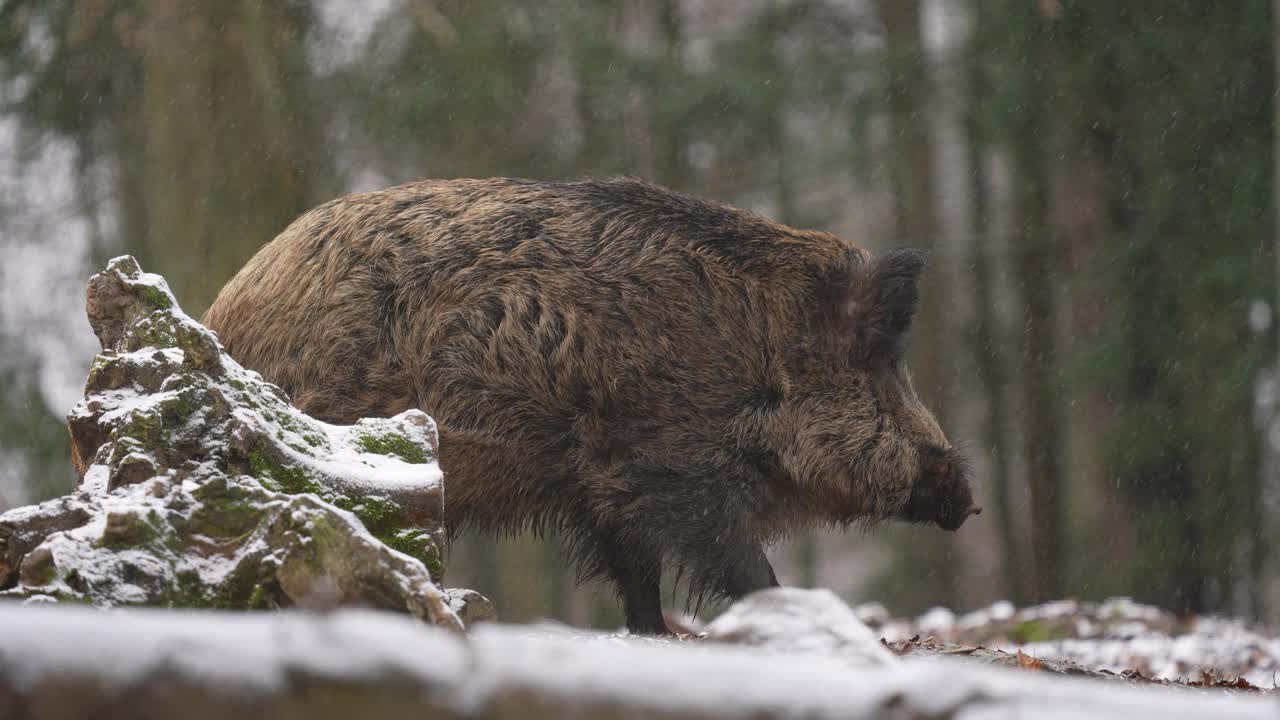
[{"x": 1117, "y": 639}]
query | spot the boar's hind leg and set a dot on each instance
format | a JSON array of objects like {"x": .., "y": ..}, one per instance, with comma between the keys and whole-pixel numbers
[
  {"x": 729, "y": 572},
  {"x": 636, "y": 571},
  {"x": 746, "y": 571}
]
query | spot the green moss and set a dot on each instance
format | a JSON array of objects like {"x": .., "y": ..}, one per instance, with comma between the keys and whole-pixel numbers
[
  {"x": 181, "y": 406},
  {"x": 293, "y": 425},
  {"x": 147, "y": 332},
  {"x": 225, "y": 510},
  {"x": 156, "y": 298},
  {"x": 327, "y": 537},
  {"x": 240, "y": 590},
  {"x": 100, "y": 366},
  {"x": 285, "y": 420},
  {"x": 280, "y": 478},
  {"x": 392, "y": 444},
  {"x": 377, "y": 513},
  {"x": 45, "y": 576},
  {"x": 199, "y": 349},
  {"x": 190, "y": 591},
  {"x": 125, "y": 530},
  {"x": 1030, "y": 631},
  {"x": 76, "y": 582},
  {"x": 38, "y": 569},
  {"x": 260, "y": 599},
  {"x": 143, "y": 426},
  {"x": 416, "y": 544}
]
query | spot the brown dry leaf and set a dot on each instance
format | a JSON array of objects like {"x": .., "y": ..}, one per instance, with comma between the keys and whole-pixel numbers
[{"x": 1028, "y": 662}]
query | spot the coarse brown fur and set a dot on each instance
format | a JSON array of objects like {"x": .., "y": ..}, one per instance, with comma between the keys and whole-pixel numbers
[{"x": 660, "y": 379}]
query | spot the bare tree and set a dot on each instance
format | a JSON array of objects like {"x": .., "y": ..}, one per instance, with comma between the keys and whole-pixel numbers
[
  {"x": 916, "y": 222},
  {"x": 985, "y": 333},
  {"x": 1034, "y": 260}
]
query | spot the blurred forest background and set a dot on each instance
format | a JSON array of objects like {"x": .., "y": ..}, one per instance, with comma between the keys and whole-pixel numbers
[{"x": 1096, "y": 183}]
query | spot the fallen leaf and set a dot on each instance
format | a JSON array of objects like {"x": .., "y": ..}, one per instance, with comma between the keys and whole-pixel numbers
[{"x": 1028, "y": 662}]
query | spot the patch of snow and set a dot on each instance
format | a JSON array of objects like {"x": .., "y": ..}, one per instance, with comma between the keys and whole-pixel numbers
[
  {"x": 1117, "y": 635},
  {"x": 937, "y": 620},
  {"x": 795, "y": 620},
  {"x": 872, "y": 613},
  {"x": 239, "y": 652}
]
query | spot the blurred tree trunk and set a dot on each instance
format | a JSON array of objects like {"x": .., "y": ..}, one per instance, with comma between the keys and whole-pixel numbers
[
  {"x": 598, "y": 116},
  {"x": 911, "y": 170},
  {"x": 1267, "y": 495},
  {"x": 1184, "y": 123},
  {"x": 1035, "y": 258},
  {"x": 1102, "y": 524},
  {"x": 986, "y": 335},
  {"x": 229, "y": 150},
  {"x": 670, "y": 127}
]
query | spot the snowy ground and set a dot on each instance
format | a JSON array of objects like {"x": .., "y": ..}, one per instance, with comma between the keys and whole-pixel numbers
[
  {"x": 69, "y": 662},
  {"x": 1116, "y": 636},
  {"x": 1117, "y": 640}
]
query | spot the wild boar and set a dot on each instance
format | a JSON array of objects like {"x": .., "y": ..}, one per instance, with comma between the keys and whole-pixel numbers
[{"x": 663, "y": 380}]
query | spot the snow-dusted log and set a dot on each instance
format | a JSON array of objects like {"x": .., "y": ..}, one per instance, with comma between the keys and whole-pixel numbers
[
  {"x": 69, "y": 662},
  {"x": 202, "y": 486}
]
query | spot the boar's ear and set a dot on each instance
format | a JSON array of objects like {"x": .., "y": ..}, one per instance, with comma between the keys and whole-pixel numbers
[
  {"x": 884, "y": 295},
  {"x": 865, "y": 306}
]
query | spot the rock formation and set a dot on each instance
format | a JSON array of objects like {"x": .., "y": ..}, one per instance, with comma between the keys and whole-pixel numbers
[{"x": 202, "y": 487}]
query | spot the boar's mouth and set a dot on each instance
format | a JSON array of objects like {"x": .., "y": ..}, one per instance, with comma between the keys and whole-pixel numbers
[
  {"x": 942, "y": 495},
  {"x": 953, "y": 521}
]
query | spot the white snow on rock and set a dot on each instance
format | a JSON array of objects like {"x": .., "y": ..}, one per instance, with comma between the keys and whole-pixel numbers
[{"x": 795, "y": 620}]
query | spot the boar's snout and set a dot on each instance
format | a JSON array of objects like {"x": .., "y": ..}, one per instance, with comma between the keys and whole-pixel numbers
[{"x": 942, "y": 493}]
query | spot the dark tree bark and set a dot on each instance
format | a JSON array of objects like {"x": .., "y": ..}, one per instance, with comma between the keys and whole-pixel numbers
[
  {"x": 916, "y": 225},
  {"x": 1035, "y": 257},
  {"x": 670, "y": 132},
  {"x": 986, "y": 336}
]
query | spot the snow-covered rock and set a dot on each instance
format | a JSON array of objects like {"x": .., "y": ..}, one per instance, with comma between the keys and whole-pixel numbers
[
  {"x": 795, "y": 620},
  {"x": 202, "y": 486}
]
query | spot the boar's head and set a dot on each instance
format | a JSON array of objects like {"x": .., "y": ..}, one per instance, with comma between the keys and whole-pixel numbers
[{"x": 858, "y": 442}]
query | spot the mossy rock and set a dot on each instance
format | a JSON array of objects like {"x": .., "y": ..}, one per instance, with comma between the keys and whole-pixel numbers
[
  {"x": 393, "y": 444},
  {"x": 202, "y": 487}
]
